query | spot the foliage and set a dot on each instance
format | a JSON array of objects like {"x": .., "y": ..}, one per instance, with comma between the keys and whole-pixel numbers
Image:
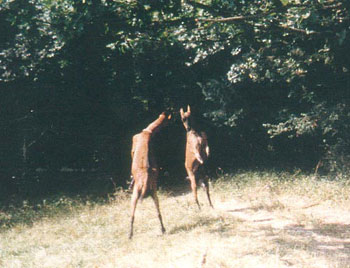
[
  {"x": 285, "y": 67},
  {"x": 79, "y": 78}
]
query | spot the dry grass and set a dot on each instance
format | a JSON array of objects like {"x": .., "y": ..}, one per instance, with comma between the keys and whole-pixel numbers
[{"x": 259, "y": 220}]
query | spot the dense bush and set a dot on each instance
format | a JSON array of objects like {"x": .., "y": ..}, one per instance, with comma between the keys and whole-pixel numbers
[{"x": 268, "y": 80}]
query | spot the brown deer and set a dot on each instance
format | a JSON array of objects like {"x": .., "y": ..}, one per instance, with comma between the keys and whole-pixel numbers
[
  {"x": 144, "y": 168},
  {"x": 197, "y": 152}
]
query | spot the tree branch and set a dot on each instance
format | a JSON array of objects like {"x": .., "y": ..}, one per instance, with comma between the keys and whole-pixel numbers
[
  {"x": 292, "y": 29},
  {"x": 229, "y": 19},
  {"x": 35, "y": 141},
  {"x": 244, "y": 18}
]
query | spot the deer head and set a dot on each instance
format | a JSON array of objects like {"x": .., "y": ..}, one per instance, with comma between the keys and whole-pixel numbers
[
  {"x": 156, "y": 125},
  {"x": 185, "y": 118}
]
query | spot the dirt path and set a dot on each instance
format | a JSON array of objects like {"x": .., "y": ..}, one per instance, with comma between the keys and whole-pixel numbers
[{"x": 320, "y": 229}]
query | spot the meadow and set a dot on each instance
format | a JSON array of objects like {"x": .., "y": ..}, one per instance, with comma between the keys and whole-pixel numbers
[{"x": 260, "y": 219}]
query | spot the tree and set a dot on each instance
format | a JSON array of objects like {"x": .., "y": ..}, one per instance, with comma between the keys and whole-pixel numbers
[
  {"x": 78, "y": 78},
  {"x": 282, "y": 64}
]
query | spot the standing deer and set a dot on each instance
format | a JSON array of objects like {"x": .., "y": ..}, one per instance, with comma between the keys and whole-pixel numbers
[
  {"x": 144, "y": 168},
  {"x": 197, "y": 152}
]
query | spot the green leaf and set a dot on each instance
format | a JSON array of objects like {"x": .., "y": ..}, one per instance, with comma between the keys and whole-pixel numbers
[{"x": 284, "y": 2}]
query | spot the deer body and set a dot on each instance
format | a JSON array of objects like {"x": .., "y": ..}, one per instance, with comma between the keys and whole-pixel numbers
[
  {"x": 197, "y": 152},
  {"x": 144, "y": 168}
]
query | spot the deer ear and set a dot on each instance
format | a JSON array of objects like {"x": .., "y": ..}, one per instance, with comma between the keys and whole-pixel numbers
[
  {"x": 188, "y": 108},
  {"x": 169, "y": 116}
]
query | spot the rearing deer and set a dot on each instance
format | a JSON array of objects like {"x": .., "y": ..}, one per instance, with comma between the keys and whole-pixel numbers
[
  {"x": 197, "y": 152},
  {"x": 144, "y": 168}
]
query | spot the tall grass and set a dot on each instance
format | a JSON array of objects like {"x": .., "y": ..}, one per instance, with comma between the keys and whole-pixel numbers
[{"x": 261, "y": 219}]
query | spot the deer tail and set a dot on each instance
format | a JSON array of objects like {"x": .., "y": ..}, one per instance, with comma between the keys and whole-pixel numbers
[
  {"x": 205, "y": 143},
  {"x": 146, "y": 187},
  {"x": 207, "y": 150}
]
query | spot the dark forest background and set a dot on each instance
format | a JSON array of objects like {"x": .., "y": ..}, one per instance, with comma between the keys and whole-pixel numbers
[{"x": 267, "y": 79}]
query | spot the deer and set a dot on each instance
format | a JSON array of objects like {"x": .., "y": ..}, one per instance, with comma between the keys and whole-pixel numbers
[
  {"x": 197, "y": 152},
  {"x": 144, "y": 169}
]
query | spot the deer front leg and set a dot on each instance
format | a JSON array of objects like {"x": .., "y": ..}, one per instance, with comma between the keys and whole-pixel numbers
[
  {"x": 193, "y": 186},
  {"x": 198, "y": 157},
  {"x": 156, "y": 202}
]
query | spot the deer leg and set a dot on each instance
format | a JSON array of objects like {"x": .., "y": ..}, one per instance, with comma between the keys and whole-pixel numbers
[
  {"x": 156, "y": 202},
  {"x": 204, "y": 182},
  {"x": 134, "y": 199},
  {"x": 132, "y": 182},
  {"x": 198, "y": 157},
  {"x": 206, "y": 188},
  {"x": 194, "y": 187}
]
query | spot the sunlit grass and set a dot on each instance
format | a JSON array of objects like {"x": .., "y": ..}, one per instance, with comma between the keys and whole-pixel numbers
[{"x": 261, "y": 219}]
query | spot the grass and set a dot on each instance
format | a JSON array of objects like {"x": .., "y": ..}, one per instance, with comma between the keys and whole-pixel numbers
[{"x": 260, "y": 220}]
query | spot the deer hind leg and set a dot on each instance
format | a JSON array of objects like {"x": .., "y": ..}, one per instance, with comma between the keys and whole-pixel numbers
[
  {"x": 135, "y": 197},
  {"x": 132, "y": 182},
  {"x": 201, "y": 173},
  {"x": 206, "y": 188},
  {"x": 156, "y": 202},
  {"x": 192, "y": 178}
]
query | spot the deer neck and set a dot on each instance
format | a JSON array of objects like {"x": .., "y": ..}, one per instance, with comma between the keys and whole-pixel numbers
[
  {"x": 188, "y": 128},
  {"x": 148, "y": 131},
  {"x": 155, "y": 125}
]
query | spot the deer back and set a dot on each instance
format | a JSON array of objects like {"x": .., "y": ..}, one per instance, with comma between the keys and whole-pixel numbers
[{"x": 140, "y": 152}]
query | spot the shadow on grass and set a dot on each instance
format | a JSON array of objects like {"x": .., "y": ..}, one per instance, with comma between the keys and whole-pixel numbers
[
  {"x": 200, "y": 222},
  {"x": 54, "y": 194},
  {"x": 58, "y": 194},
  {"x": 267, "y": 207},
  {"x": 177, "y": 189},
  {"x": 213, "y": 225},
  {"x": 45, "y": 185},
  {"x": 331, "y": 240}
]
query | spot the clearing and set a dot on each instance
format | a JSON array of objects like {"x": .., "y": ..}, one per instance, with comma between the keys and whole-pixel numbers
[{"x": 260, "y": 220}]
